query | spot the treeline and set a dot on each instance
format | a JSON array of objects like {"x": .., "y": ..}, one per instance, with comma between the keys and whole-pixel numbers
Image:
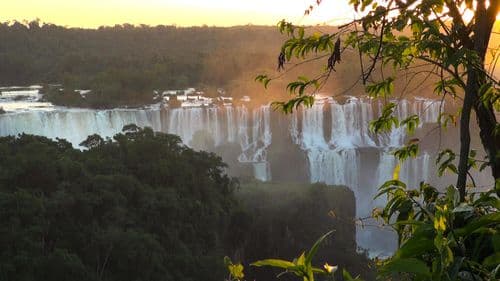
[
  {"x": 125, "y": 63},
  {"x": 142, "y": 206}
]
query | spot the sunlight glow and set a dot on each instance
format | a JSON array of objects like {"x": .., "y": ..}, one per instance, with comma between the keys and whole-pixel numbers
[{"x": 95, "y": 13}]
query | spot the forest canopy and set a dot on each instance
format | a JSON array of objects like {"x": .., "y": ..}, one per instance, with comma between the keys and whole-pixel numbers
[
  {"x": 123, "y": 64},
  {"x": 139, "y": 207},
  {"x": 142, "y": 206}
]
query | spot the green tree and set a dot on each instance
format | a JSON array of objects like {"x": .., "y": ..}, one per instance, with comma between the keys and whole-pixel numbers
[
  {"x": 450, "y": 235},
  {"x": 139, "y": 207}
]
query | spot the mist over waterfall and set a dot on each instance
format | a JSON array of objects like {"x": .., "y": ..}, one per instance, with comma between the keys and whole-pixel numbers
[
  {"x": 249, "y": 128},
  {"x": 333, "y": 137}
]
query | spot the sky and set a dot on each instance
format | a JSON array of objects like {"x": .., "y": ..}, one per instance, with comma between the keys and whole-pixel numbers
[{"x": 95, "y": 13}]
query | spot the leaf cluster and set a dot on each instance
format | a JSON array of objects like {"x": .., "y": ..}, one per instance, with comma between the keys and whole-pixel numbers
[{"x": 441, "y": 238}]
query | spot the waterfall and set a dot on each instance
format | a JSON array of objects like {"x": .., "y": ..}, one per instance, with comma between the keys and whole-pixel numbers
[
  {"x": 251, "y": 129},
  {"x": 412, "y": 171},
  {"x": 230, "y": 124},
  {"x": 380, "y": 240},
  {"x": 333, "y": 158},
  {"x": 350, "y": 123},
  {"x": 415, "y": 170},
  {"x": 242, "y": 128},
  {"x": 185, "y": 123},
  {"x": 255, "y": 138},
  {"x": 334, "y": 167},
  {"x": 336, "y": 161},
  {"x": 76, "y": 125}
]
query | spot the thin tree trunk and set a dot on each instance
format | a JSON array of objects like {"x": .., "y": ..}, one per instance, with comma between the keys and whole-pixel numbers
[{"x": 470, "y": 92}]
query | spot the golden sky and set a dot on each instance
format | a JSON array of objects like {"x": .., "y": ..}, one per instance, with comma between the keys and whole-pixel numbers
[{"x": 94, "y": 13}]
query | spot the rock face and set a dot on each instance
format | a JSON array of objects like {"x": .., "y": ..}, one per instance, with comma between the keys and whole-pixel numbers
[{"x": 329, "y": 142}]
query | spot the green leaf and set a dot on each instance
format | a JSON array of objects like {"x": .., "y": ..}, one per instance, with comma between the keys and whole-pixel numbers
[
  {"x": 389, "y": 186},
  {"x": 227, "y": 261},
  {"x": 419, "y": 243},
  {"x": 411, "y": 123},
  {"x": 445, "y": 161},
  {"x": 315, "y": 247},
  {"x": 445, "y": 118},
  {"x": 348, "y": 277},
  {"x": 493, "y": 218},
  {"x": 410, "y": 265},
  {"x": 492, "y": 260},
  {"x": 301, "y": 32},
  {"x": 301, "y": 260},
  {"x": 384, "y": 88},
  {"x": 386, "y": 121},
  {"x": 453, "y": 195},
  {"x": 407, "y": 151},
  {"x": 274, "y": 263},
  {"x": 417, "y": 27},
  {"x": 319, "y": 270}
]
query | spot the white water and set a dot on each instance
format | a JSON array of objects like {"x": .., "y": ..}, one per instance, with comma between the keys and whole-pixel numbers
[
  {"x": 350, "y": 124},
  {"x": 251, "y": 129},
  {"x": 337, "y": 160},
  {"x": 186, "y": 122},
  {"x": 76, "y": 125}
]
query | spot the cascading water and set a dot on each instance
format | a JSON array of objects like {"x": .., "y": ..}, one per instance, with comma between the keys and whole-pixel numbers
[
  {"x": 328, "y": 163},
  {"x": 251, "y": 129},
  {"x": 186, "y": 122},
  {"x": 254, "y": 138},
  {"x": 75, "y": 125},
  {"x": 412, "y": 172},
  {"x": 350, "y": 124}
]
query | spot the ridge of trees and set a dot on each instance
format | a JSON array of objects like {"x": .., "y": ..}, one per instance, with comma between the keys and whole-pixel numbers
[{"x": 123, "y": 64}]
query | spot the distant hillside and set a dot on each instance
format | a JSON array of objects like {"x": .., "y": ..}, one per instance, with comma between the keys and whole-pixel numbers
[{"x": 125, "y": 63}]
